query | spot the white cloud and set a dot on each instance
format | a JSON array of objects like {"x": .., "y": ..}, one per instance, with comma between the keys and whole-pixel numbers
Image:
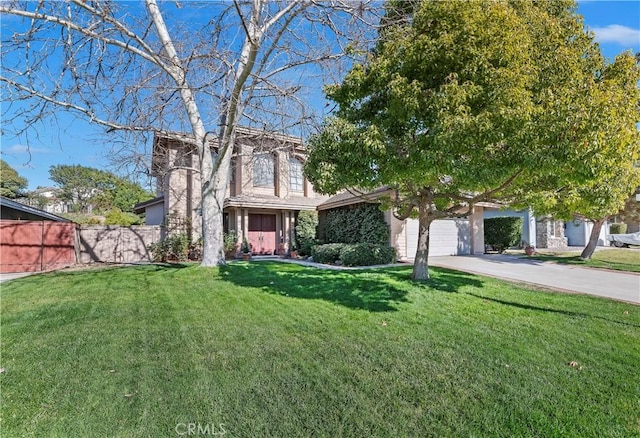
[
  {"x": 23, "y": 149},
  {"x": 615, "y": 33}
]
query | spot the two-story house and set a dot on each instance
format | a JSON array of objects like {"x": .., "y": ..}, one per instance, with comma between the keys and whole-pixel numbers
[{"x": 266, "y": 190}]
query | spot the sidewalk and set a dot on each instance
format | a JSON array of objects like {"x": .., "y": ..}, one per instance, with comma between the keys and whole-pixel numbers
[{"x": 623, "y": 286}]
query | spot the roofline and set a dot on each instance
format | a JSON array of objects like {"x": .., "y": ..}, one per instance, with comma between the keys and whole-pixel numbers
[
  {"x": 257, "y": 203},
  {"x": 188, "y": 138},
  {"x": 370, "y": 197},
  {"x": 144, "y": 204},
  {"x": 6, "y": 202}
]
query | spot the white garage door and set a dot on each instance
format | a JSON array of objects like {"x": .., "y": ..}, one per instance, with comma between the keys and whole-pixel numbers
[{"x": 448, "y": 237}]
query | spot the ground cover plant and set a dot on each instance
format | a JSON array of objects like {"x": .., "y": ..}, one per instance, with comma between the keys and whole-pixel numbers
[
  {"x": 269, "y": 349},
  {"x": 624, "y": 259}
]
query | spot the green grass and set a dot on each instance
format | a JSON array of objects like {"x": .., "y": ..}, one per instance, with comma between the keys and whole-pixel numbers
[
  {"x": 272, "y": 349},
  {"x": 617, "y": 259}
]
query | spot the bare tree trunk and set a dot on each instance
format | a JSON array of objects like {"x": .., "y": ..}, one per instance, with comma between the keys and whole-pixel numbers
[
  {"x": 593, "y": 240},
  {"x": 421, "y": 262}
]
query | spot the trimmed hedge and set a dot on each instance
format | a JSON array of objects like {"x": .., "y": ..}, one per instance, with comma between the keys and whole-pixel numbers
[
  {"x": 367, "y": 254},
  {"x": 328, "y": 253},
  {"x": 502, "y": 232},
  {"x": 359, "y": 254},
  {"x": 361, "y": 223},
  {"x": 306, "y": 225},
  {"x": 618, "y": 228}
]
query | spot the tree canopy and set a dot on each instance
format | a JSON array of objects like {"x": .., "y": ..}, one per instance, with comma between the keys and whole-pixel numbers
[
  {"x": 463, "y": 102},
  {"x": 86, "y": 187},
  {"x": 12, "y": 185}
]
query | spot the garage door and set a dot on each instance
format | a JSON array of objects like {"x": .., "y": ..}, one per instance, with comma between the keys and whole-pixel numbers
[{"x": 448, "y": 237}]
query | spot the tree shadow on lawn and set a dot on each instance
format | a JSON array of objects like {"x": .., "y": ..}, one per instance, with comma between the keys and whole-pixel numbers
[
  {"x": 550, "y": 310},
  {"x": 352, "y": 289},
  {"x": 441, "y": 279},
  {"x": 375, "y": 290}
]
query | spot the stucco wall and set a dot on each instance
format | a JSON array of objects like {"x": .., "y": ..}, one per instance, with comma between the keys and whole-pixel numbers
[{"x": 116, "y": 244}]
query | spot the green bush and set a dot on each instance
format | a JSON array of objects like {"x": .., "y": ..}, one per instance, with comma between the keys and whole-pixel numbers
[
  {"x": 118, "y": 217},
  {"x": 230, "y": 243},
  {"x": 356, "y": 254},
  {"x": 172, "y": 248},
  {"x": 367, "y": 254},
  {"x": 618, "y": 228},
  {"x": 502, "y": 232},
  {"x": 328, "y": 253},
  {"x": 306, "y": 226},
  {"x": 360, "y": 223}
]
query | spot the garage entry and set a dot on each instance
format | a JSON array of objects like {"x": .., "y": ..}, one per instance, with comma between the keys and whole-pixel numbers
[{"x": 448, "y": 237}]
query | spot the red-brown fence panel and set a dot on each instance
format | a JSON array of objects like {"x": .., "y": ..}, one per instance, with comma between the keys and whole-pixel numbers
[{"x": 27, "y": 246}]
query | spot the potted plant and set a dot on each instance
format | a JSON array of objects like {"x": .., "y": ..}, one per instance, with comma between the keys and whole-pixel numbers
[
  {"x": 246, "y": 249},
  {"x": 529, "y": 249},
  {"x": 294, "y": 250}
]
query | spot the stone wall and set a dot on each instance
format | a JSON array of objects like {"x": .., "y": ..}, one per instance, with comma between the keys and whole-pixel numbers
[{"x": 550, "y": 234}]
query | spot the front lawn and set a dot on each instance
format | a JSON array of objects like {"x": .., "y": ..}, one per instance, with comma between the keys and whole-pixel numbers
[
  {"x": 619, "y": 259},
  {"x": 269, "y": 349}
]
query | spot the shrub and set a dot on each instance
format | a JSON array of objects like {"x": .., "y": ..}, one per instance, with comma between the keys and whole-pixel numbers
[
  {"x": 361, "y": 223},
  {"x": 502, "y": 232},
  {"x": 94, "y": 221},
  {"x": 618, "y": 228},
  {"x": 118, "y": 217},
  {"x": 230, "y": 243},
  {"x": 328, "y": 253},
  {"x": 172, "y": 248},
  {"x": 356, "y": 254},
  {"x": 306, "y": 226},
  {"x": 367, "y": 254}
]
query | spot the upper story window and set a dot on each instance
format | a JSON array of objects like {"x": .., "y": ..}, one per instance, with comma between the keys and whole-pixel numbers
[
  {"x": 295, "y": 175},
  {"x": 263, "y": 170}
]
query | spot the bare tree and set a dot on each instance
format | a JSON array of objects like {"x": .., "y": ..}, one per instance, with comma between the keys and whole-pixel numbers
[{"x": 207, "y": 70}]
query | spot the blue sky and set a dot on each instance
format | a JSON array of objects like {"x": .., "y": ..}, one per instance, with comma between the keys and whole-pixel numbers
[{"x": 74, "y": 141}]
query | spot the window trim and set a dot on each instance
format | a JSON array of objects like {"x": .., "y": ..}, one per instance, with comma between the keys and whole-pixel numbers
[
  {"x": 259, "y": 160},
  {"x": 299, "y": 177}
]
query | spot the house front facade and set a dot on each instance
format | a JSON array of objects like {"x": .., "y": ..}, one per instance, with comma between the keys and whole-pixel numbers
[{"x": 266, "y": 191}]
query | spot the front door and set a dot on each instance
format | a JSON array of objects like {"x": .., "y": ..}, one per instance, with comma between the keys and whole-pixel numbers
[{"x": 262, "y": 233}]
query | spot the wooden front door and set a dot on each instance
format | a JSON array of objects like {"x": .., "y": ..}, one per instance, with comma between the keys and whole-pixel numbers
[{"x": 262, "y": 233}]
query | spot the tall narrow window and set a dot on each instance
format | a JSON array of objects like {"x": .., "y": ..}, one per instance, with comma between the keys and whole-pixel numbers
[
  {"x": 295, "y": 175},
  {"x": 263, "y": 170}
]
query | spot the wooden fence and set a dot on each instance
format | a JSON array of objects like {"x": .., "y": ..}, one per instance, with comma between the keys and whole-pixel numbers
[{"x": 28, "y": 246}]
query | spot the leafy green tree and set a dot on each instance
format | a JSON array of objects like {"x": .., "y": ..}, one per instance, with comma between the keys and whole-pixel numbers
[
  {"x": 631, "y": 210},
  {"x": 463, "y": 102},
  {"x": 608, "y": 175},
  {"x": 12, "y": 185},
  {"x": 89, "y": 188}
]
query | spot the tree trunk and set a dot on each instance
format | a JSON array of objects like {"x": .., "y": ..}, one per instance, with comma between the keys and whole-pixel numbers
[
  {"x": 421, "y": 262},
  {"x": 593, "y": 240},
  {"x": 214, "y": 189},
  {"x": 212, "y": 226}
]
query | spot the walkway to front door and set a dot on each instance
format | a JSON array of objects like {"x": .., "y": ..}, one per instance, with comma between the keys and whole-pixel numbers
[{"x": 262, "y": 233}]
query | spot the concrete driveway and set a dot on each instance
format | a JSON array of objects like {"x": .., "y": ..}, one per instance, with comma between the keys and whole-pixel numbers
[
  {"x": 623, "y": 286},
  {"x": 7, "y": 277}
]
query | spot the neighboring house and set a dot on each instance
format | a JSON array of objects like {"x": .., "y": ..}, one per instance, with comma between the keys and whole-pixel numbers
[
  {"x": 541, "y": 232},
  {"x": 266, "y": 190},
  {"x": 47, "y": 199},
  {"x": 447, "y": 236},
  {"x": 578, "y": 232}
]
